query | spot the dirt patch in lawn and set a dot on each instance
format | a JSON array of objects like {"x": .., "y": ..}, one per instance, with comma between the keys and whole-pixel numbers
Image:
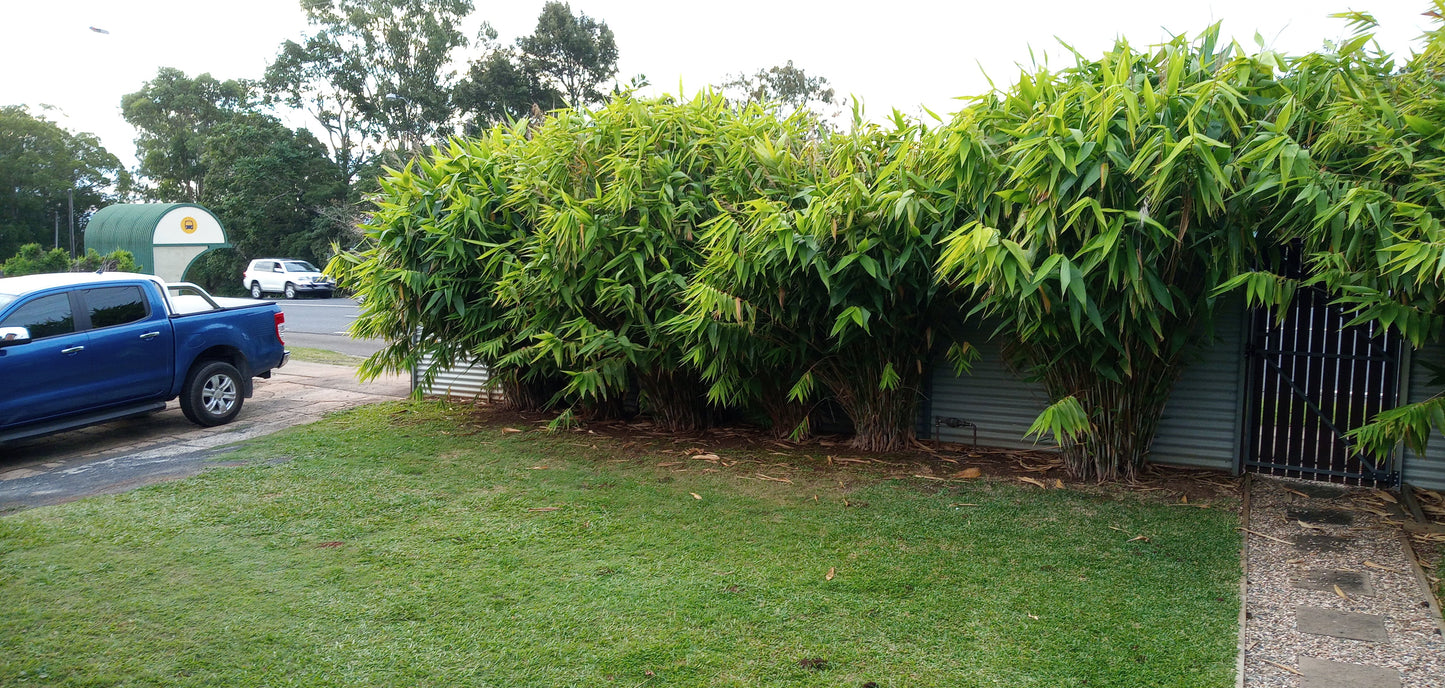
[{"x": 758, "y": 452}]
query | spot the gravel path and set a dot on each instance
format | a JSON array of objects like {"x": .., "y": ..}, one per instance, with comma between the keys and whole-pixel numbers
[{"x": 1275, "y": 648}]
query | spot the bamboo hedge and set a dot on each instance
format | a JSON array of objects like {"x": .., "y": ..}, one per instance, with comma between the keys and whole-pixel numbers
[{"x": 704, "y": 262}]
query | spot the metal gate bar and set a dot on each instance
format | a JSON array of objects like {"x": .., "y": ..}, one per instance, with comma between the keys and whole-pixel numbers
[{"x": 1313, "y": 379}]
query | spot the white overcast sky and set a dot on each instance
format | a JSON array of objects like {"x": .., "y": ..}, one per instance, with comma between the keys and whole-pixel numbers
[{"x": 893, "y": 54}]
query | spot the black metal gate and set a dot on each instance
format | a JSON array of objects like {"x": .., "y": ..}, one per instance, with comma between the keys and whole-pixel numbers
[{"x": 1311, "y": 381}]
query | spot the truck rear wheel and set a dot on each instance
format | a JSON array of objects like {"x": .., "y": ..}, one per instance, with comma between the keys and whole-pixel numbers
[{"x": 212, "y": 395}]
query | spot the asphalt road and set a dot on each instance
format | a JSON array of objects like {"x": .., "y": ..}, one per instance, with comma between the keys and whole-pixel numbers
[
  {"x": 125, "y": 454},
  {"x": 322, "y": 324}
]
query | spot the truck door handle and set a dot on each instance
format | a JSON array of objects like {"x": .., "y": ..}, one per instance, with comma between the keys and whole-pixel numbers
[
  {"x": 150, "y": 335},
  {"x": 72, "y": 350}
]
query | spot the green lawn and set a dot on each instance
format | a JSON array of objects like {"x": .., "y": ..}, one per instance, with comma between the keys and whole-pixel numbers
[
  {"x": 404, "y": 545},
  {"x": 306, "y": 353}
]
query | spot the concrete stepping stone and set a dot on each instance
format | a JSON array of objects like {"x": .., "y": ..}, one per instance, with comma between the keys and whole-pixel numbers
[
  {"x": 1321, "y": 543},
  {"x": 1353, "y": 583},
  {"x": 1332, "y": 517},
  {"x": 1338, "y": 624},
  {"x": 1323, "y": 673}
]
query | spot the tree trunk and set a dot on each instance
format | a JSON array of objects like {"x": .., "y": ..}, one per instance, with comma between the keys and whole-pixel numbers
[
  {"x": 523, "y": 393},
  {"x": 788, "y": 418},
  {"x": 884, "y": 420},
  {"x": 1124, "y": 415},
  {"x": 676, "y": 400}
]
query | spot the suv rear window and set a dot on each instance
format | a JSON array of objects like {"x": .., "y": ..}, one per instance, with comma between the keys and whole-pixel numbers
[{"x": 115, "y": 305}]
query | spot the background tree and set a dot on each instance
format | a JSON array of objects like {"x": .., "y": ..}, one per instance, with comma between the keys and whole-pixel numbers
[
  {"x": 40, "y": 165},
  {"x": 786, "y": 85},
  {"x": 501, "y": 86},
  {"x": 376, "y": 72},
  {"x": 573, "y": 54},
  {"x": 273, "y": 187},
  {"x": 173, "y": 114}
]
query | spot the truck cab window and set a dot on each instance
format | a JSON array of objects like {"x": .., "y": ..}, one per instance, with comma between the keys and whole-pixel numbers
[
  {"x": 46, "y": 316},
  {"x": 114, "y": 305}
]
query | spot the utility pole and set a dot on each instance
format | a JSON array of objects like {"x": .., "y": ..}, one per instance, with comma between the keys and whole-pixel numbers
[
  {"x": 72, "y": 222},
  {"x": 57, "y": 227}
]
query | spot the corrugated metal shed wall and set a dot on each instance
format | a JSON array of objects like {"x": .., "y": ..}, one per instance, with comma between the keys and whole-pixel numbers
[
  {"x": 1200, "y": 426},
  {"x": 1426, "y": 471},
  {"x": 1002, "y": 405},
  {"x": 1203, "y": 420},
  {"x": 466, "y": 380}
]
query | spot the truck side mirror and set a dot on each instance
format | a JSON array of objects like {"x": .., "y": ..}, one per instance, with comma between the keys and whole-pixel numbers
[{"x": 14, "y": 336}]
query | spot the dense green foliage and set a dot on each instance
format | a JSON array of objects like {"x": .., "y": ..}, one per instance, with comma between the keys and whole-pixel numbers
[
  {"x": 33, "y": 260},
  {"x": 1370, "y": 217},
  {"x": 274, "y": 186},
  {"x": 173, "y": 114},
  {"x": 829, "y": 283},
  {"x": 419, "y": 545},
  {"x": 1099, "y": 210},
  {"x": 1091, "y": 220},
  {"x": 440, "y": 239},
  {"x": 43, "y": 168}
]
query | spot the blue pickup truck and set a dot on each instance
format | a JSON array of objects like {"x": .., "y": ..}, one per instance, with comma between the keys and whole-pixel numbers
[{"x": 83, "y": 348}]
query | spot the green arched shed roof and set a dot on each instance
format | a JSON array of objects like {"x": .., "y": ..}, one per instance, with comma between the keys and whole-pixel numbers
[{"x": 132, "y": 227}]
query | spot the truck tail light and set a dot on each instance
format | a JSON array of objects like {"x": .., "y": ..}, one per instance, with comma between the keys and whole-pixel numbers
[{"x": 280, "y": 326}]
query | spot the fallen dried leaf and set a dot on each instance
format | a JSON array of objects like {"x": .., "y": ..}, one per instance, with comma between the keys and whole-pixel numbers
[
  {"x": 969, "y": 473},
  {"x": 1377, "y": 567},
  {"x": 832, "y": 571},
  {"x": 695, "y": 495},
  {"x": 1310, "y": 526},
  {"x": 1031, "y": 616},
  {"x": 1386, "y": 496},
  {"x": 1296, "y": 492},
  {"x": 1267, "y": 537},
  {"x": 776, "y": 480},
  {"x": 706, "y": 457},
  {"x": 509, "y": 430},
  {"x": 1138, "y": 538},
  {"x": 1342, "y": 594},
  {"x": 926, "y": 477},
  {"x": 1033, "y": 481},
  {"x": 1058, "y": 484},
  {"x": 536, "y": 468}
]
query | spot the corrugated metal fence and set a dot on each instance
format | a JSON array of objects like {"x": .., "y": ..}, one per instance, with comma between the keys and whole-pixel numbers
[{"x": 463, "y": 380}]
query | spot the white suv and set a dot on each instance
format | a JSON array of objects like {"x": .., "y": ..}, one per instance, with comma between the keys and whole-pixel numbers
[{"x": 286, "y": 276}]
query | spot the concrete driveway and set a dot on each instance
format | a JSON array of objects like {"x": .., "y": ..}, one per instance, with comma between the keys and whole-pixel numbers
[{"x": 122, "y": 455}]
